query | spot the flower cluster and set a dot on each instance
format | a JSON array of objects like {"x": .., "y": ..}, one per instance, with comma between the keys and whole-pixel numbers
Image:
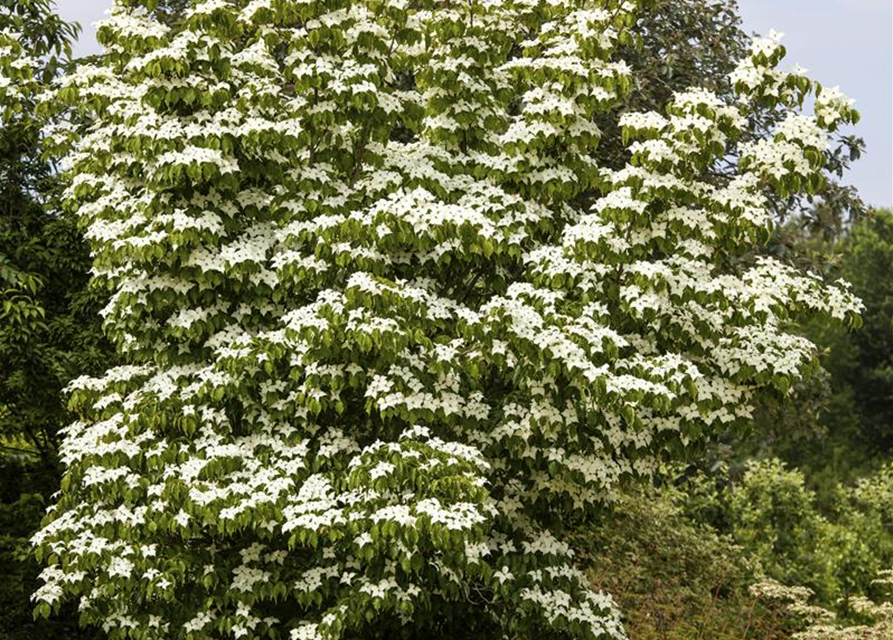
[{"x": 17, "y": 83}]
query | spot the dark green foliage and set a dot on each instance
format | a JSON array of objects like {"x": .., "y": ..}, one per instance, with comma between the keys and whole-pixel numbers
[
  {"x": 862, "y": 364},
  {"x": 41, "y": 353},
  {"x": 25, "y": 486},
  {"x": 685, "y": 43},
  {"x": 49, "y": 325},
  {"x": 841, "y": 427}
]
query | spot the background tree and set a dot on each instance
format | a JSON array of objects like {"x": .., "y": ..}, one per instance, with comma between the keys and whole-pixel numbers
[
  {"x": 862, "y": 365},
  {"x": 43, "y": 265},
  {"x": 49, "y": 327}
]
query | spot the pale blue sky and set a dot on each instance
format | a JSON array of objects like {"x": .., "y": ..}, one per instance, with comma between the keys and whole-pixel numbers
[{"x": 841, "y": 42}]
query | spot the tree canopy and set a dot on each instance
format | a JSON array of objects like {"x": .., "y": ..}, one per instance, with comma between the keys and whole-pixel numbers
[{"x": 387, "y": 323}]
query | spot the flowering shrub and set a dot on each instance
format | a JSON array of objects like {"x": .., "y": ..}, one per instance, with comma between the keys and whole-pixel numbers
[
  {"x": 387, "y": 322},
  {"x": 815, "y": 623}
]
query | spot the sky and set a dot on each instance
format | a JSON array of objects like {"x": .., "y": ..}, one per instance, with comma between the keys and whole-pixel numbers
[{"x": 841, "y": 42}]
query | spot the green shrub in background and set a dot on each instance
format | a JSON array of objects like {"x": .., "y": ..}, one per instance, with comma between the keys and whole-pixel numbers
[
  {"x": 866, "y": 512},
  {"x": 673, "y": 577},
  {"x": 835, "y": 549},
  {"x": 774, "y": 518}
]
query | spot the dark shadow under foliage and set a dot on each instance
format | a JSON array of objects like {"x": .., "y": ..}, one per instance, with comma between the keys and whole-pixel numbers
[{"x": 25, "y": 487}]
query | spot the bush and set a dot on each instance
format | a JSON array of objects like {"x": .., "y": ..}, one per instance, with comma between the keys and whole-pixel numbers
[
  {"x": 674, "y": 578},
  {"x": 835, "y": 548},
  {"x": 774, "y": 518}
]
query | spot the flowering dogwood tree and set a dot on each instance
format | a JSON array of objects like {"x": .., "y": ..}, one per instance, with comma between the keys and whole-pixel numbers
[{"x": 387, "y": 321}]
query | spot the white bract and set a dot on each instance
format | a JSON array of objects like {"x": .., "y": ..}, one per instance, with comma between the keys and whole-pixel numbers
[
  {"x": 18, "y": 85},
  {"x": 386, "y": 320}
]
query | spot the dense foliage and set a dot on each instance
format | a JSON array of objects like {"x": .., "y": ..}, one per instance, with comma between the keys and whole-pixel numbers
[
  {"x": 756, "y": 560},
  {"x": 838, "y": 553},
  {"x": 323, "y": 227},
  {"x": 673, "y": 576},
  {"x": 48, "y": 333},
  {"x": 49, "y": 329},
  {"x": 862, "y": 365},
  {"x": 387, "y": 322}
]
